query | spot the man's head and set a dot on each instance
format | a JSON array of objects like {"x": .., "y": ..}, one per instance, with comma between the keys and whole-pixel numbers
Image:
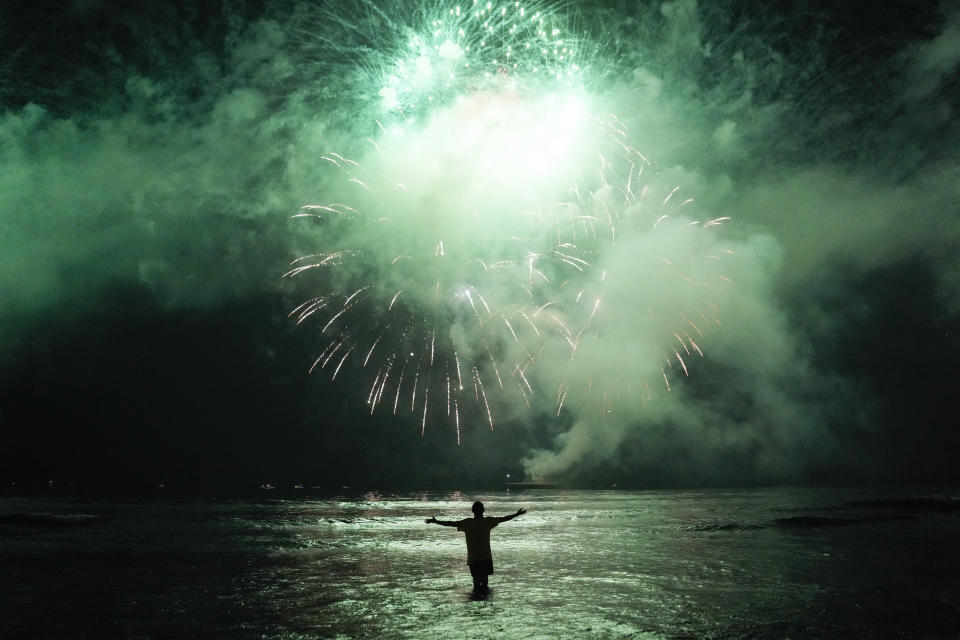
[{"x": 477, "y": 508}]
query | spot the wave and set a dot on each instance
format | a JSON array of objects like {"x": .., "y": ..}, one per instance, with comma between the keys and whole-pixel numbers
[
  {"x": 913, "y": 503},
  {"x": 803, "y": 522},
  {"x": 724, "y": 526},
  {"x": 49, "y": 519}
]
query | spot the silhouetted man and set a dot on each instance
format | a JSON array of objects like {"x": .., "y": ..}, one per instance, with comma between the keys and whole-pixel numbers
[{"x": 477, "y": 530}]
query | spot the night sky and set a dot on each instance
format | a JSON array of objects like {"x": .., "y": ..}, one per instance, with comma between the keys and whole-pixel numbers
[{"x": 151, "y": 159}]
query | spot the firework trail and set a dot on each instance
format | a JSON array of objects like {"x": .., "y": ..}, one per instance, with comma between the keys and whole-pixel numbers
[{"x": 483, "y": 228}]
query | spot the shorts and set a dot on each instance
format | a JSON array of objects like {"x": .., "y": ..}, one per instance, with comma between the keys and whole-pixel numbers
[{"x": 481, "y": 568}]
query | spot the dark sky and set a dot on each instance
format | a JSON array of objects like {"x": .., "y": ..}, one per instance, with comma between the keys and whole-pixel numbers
[{"x": 151, "y": 159}]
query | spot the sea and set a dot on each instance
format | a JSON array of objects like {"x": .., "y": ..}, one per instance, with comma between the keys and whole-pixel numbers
[{"x": 744, "y": 563}]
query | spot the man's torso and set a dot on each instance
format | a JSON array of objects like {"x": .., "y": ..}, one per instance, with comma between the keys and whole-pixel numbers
[{"x": 477, "y": 531}]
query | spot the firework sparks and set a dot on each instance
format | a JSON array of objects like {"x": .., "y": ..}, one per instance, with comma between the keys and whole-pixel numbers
[{"x": 493, "y": 174}]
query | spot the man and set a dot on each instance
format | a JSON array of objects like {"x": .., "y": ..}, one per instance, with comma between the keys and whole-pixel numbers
[{"x": 477, "y": 530}]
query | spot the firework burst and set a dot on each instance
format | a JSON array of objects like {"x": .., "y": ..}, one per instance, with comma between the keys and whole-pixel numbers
[
  {"x": 486, "y": 227},
  {"x": 476, "y": 46}
]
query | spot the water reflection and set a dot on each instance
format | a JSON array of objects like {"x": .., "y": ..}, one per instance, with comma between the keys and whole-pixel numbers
[{"x": 768, "y": 563}]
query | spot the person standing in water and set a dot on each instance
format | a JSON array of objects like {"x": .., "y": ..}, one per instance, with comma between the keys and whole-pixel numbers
[{"x": 477, "y": 529}]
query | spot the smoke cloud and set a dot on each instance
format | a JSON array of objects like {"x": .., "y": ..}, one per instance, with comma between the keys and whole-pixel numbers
[{"x": 750, "y": 351}]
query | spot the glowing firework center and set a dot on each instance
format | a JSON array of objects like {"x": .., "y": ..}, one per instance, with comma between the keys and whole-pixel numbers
[{"x": 486, "y": 161}]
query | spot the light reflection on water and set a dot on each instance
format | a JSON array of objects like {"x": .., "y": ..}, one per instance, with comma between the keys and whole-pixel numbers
[{"x": 762, "y": 563}]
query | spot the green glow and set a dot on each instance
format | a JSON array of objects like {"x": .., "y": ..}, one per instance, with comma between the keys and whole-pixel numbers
[{"x": 485, "y": 47}]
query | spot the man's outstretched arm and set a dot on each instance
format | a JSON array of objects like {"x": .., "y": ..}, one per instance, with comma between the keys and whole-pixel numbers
[
  {"x": 519, "y": 512},
  {"x": 443, "y": 523}
]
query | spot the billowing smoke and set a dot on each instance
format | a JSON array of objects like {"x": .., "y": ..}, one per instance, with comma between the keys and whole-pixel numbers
[
  {"x": 824, "y": 195},
  {"x": 664, "y": 246},
  {"x": 158, "y": 162}
]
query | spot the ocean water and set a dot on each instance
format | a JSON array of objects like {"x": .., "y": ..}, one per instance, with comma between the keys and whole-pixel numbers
[{"x": 759, "y": 563}]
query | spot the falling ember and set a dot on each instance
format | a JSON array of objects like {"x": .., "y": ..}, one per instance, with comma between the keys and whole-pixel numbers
[
  {"x": 486, "y": 404},
  {"x": 561, "y": 396},
  {"x": 423, "y": 423},
  {"x": 370, "y": 353},
  {"x": 413, "y": 393},
  {"x": 683, "y": 365},
  {"x": 396, "y": 399},
  {"x": 342, "y": 360},
  {"x": 394, "y": 299},
  {"x": 456, "y": 416}
]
